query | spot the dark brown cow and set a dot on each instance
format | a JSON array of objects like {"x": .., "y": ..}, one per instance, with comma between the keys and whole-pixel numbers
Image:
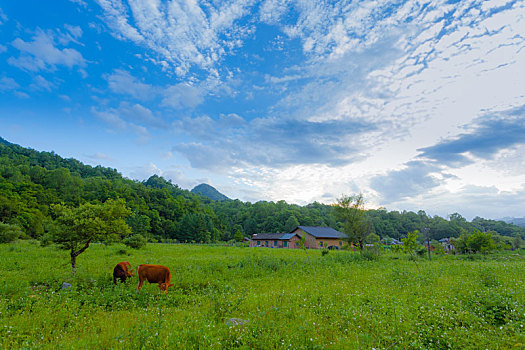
[
  {"x": 154, "y": 274},
  {"x": 122, "y": 271}
]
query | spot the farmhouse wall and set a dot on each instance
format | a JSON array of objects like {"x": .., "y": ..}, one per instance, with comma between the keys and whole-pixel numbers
[
  {"x": 327, "y": 242},
  {"x": 312, "y": 242}
]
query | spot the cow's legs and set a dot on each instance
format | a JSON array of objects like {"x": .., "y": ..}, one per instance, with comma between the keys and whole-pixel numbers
[{"x": 139, "y": 286}]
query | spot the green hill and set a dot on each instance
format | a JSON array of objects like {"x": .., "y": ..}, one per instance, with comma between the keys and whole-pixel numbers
[
  {"x": 31, "y": 182},
  {"x": 4, "y": 142},
  {"x": 210, "y": 192}
]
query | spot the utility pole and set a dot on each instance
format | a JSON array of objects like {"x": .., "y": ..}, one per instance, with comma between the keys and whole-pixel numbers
[{"x": 426, "y": 231}]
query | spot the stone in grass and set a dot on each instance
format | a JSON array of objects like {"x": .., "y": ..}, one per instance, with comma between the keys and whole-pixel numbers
[
  {"x": 236, "y": 322},
  {"x": 66, "y": 285}
]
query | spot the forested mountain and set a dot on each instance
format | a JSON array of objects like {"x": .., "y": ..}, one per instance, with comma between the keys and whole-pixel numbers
[
  {"x": 515, "y": 221},
  {"x": 32, "y": 181},
  {"x": 210, "y": 192}
]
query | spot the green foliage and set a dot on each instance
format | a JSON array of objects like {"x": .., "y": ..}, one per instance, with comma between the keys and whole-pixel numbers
[
  {"x": 32, "y": 182},
  {"x": 78, "y": 227},
  {"x": 9, "y": 233},
  {"x": 136, "y": 241},
  {"x": 238, "y": 236},
  {"x": 516, "y": 243},
  {"x": 373, "y": 238},
  {"x": 476, "y": 242},
  {"x": 350, "y": 211},
  {"x": 410, "y": 244},
  {"x": 209, "y": 192}
]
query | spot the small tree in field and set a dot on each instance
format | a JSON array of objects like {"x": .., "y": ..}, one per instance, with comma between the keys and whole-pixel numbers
[
  {"x": 410, "y": 242},
  {"x": 78, "y": 227},
  {"x": 238, "y": 236},
  {"x": 351, "y": 211},
  {"x": 516, "y": 243}
]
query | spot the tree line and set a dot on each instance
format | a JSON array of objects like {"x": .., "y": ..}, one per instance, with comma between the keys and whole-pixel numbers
[{"x": 35, "y": 185}]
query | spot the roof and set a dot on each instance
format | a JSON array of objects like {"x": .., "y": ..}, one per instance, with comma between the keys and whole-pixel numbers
[
  {"x": 287, "y": 236},
  {"x": 270, "y": 236},
  {"x": 321, "y": 232}
]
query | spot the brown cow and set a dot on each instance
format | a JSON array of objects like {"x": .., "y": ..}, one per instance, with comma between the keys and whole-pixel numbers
[
  {"x": 122, "y": 271},
  {"x": 154, "y": 274}
]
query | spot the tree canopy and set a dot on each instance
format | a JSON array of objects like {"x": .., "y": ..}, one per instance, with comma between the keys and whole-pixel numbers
[
  {"x": 32, "y": 182},
  {"x": 78, "y": 227}
]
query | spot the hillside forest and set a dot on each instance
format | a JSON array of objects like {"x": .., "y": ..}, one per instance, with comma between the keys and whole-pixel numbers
[{"x": 33, "y": 182}]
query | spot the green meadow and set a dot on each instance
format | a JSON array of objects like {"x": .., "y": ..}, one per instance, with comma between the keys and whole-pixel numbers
[{"x": 257, "y": 298}]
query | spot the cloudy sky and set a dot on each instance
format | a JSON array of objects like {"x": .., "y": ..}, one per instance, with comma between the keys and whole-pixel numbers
[{"x": 417, "y": 104}]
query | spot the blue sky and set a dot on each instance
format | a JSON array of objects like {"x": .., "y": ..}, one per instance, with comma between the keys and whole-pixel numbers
[{"x": 417, "y": 104}]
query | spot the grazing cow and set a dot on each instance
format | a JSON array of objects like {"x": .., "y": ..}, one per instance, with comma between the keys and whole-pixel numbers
[
  {"x": 122, "y": 271},
  {"x": 154, "y": 274}
]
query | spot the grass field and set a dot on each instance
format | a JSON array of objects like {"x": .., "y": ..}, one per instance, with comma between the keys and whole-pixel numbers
[{"x": 227, "y": 297}]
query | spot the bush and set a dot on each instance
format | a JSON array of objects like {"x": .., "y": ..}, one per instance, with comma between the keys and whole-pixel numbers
[
  {"x": 136, "y": 241},
  {"x": 9, "y": 233}
]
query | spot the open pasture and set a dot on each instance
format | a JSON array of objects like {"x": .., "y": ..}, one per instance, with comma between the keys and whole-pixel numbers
[{"x": 231, "y": 297}]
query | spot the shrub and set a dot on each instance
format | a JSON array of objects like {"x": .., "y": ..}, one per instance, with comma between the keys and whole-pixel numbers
[
  {"x": 136, "y": 241},
  {"x": 9, "y": 233}
]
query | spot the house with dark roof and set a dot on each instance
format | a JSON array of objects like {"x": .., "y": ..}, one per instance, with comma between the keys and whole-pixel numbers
[
  {"x": 276, "y": 240},
  {"x": 317, "y": 237}
]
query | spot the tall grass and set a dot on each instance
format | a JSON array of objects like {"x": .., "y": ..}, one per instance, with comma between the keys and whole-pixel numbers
[{"x": 229, "y": 297}]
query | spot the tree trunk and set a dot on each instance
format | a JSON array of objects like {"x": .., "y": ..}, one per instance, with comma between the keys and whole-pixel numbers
[
  {"x": 73, "y": 262},
  {"x": 74, "y": 257}
]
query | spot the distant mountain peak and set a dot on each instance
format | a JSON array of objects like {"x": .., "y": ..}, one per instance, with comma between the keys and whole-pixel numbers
[{"x": 210, "y": 192}]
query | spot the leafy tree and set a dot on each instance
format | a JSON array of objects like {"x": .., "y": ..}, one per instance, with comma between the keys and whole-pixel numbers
[
  {"x": 373, "y": 238},
  {"x": 9, "y": 233},
  {"x": 238, "y": 236},
  {"x": 410, "y": 242},
  {"x": 291, "y": 223},
  {"x": 476, "y": 242},
  {"x": 136, "y": 241},
  {"x": 516, "y": 243},
  {"x": 351, "y": 212},
  {"x": 481, "y": 242},
  {"x": 78, "y": 227}
]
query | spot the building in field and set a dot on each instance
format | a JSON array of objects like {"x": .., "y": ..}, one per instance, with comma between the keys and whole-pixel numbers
[
  {"x": 448, "y": 245},
  {"x": 315, "y": 238},
  {"x": 276, "y": 240}
]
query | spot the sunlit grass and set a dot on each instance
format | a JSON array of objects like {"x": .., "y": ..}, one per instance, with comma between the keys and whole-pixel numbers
[{"x": 225, "y": 297}]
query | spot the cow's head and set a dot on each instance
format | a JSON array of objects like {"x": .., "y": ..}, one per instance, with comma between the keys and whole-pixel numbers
[{"x": 165, "y": 286}]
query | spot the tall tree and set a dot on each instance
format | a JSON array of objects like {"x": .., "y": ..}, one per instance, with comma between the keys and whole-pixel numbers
[
  {"x": 350, "y": 210},
  {"x": 78, "y": 227}
]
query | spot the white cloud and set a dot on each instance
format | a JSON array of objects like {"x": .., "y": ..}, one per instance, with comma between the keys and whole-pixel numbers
[
  {"x": 7, "y": 84},
  {"x": 122, "y": 82},
  {"x": 183, "y": 95},
  {"x": 21, "y": 94},
  {"x": 3, "y": 17},
  {"x": 180, "y": 32},
  {"x": 113, "y": 118},
  {"x": 99, "y": 156},
  {"x": 140, "y": 114},
  {"x": 42, "y": 54},
  {"x": 81, "y": 3},
  {"x": 42, "y": 84}
]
